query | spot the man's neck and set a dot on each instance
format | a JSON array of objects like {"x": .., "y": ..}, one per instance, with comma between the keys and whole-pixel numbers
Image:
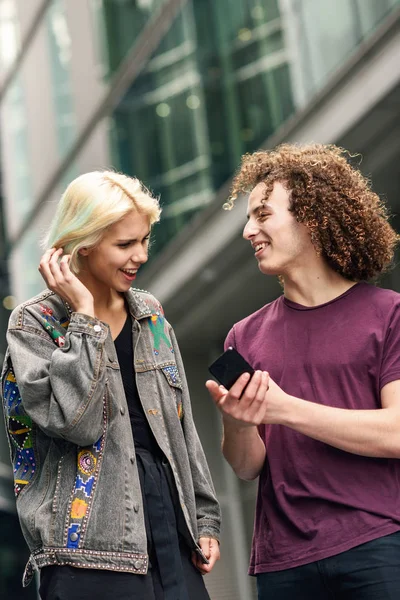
[{"x": 312, "y": 287}]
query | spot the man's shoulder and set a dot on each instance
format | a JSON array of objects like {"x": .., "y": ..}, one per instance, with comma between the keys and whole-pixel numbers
[
  {"x": 259, "y": 316},
  {"x": 383, "y": 299}
]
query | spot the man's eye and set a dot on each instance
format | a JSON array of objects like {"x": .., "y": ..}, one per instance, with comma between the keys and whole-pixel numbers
[{"x": 262, "y": 216}]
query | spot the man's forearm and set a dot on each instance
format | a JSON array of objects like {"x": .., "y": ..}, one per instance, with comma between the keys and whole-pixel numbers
[
  {"x": 243, "y": 449},
  {"x": 372, "y": 433}
]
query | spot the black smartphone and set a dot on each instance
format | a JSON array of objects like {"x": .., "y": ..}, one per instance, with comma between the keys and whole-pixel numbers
[{"x": 229, "y": 366}]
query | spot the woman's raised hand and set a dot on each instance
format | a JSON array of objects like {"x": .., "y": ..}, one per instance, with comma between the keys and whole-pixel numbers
[{"x": 60, "y": 279}]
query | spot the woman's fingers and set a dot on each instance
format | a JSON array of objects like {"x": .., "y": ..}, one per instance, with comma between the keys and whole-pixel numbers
[
  {"x": 210, "y": 549},
  {"x": 65, "y": 269},
  {"x": 54, "y": 268},
  {"x": 53, "y": 263},
  {"x": 64, "y": 262},
  {"x": 44, "y": 267},
  {"x": 44, "y": 261}
]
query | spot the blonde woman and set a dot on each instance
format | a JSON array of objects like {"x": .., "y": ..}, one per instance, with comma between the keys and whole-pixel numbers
[{"x": 113, "y": 490}]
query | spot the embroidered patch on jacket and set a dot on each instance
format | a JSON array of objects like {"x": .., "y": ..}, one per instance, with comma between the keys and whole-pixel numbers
[
  {"x": 174, "y": 379},
  {"x": 55, "y": 328},
  {"x": 88, "y": 460},
  {"x": 19, "y": 430},
  {"x": 180, "y": 410},
  {"x": 172, "y": 374},
  {"x": 158, "y": 329}
]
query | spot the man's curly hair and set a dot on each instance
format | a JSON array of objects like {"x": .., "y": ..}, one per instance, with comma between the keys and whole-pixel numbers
[{"x": 347, "y": 221}]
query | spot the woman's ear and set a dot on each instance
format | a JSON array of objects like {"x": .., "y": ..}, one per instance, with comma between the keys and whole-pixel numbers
[{"x": 84, "y": 251}]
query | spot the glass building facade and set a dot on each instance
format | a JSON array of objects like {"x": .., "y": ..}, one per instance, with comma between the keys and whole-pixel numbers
[
  {"x": 226, "y": 76},
  {"x": 217, "y": 86}
]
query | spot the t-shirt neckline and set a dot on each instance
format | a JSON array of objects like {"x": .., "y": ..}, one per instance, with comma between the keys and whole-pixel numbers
[{"x": 296, "y": 306}]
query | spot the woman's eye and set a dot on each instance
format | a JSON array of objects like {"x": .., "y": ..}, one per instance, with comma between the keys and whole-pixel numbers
[{"x": 125, "y": 245}]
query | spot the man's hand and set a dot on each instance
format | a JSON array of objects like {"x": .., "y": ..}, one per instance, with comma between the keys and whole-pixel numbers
[
  {"x": 210, "y": 548},
  {"x": 60, "y": 279},
  {"x": 245, "y": 407}
]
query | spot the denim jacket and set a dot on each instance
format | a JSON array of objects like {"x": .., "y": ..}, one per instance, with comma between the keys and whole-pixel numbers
[{"x": 76, "y": 480}]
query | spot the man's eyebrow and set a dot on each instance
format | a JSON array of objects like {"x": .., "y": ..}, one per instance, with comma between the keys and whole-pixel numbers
[{"x": 262, "y": 205}]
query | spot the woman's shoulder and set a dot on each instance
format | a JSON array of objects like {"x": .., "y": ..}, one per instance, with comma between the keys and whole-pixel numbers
[
  {"x": 145, "y": 302},
  {"x": 33, "y": 311}
]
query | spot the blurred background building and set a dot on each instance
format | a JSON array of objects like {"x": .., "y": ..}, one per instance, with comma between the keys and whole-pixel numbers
[{"x": 174, "y": 92}]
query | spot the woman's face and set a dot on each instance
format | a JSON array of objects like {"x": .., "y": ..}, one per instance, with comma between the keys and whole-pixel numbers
[{"x": 115, "y": 261}]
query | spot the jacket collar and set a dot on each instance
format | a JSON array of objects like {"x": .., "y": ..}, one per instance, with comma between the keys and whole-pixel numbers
[{"x": 138, "y": 306}]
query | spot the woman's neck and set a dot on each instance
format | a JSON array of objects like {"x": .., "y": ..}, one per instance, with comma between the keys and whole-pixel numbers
[{"x": 106, "y": 299}]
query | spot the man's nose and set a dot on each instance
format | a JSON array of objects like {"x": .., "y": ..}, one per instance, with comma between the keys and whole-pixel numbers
[{"x": 250, "y": 230}]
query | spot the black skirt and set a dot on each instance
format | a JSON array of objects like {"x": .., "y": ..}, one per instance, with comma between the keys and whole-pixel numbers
[{"x": 171, "y": 575}]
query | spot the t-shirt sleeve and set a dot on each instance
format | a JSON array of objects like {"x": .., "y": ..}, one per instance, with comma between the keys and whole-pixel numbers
[
  {"x": 390, "y": 369},
  {"x": 230, "y": 340}
]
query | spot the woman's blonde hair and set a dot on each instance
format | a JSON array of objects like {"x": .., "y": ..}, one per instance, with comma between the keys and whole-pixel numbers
[{"x": 92, "y": 203}]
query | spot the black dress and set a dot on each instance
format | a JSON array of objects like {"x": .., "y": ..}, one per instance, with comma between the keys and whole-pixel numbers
[{"x": 171, "y": 575}]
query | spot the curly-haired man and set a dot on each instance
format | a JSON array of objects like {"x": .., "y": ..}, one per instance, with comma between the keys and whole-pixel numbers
[{"x": 319, "y": 421}]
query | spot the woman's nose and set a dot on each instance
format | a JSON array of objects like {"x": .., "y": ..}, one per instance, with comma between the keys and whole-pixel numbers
[{"x": 140, "y": 255}]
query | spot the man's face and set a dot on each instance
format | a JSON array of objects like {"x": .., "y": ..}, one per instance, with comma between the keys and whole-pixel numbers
[{"x": 280, "y": 243}]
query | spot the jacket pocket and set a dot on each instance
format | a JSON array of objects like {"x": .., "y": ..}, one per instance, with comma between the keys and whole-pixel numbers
[
  {"x": 173, "y": 377},
  {"x": 47, "y": 491}
]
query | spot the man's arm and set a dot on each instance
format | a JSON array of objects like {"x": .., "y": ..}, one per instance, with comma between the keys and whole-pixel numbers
[
  {"x": 243, "y": 449},
  {"x": 374, "y": 433},
  {"x": 242, "y": 412}
]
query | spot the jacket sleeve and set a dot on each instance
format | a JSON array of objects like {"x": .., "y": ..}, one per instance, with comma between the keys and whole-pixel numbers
[
  {"x": 207, "y": 506},
  {"x": 61, "y": 388}
]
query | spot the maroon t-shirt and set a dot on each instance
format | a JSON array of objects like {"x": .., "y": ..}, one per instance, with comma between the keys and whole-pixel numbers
[{"x": 314, "y": 500}]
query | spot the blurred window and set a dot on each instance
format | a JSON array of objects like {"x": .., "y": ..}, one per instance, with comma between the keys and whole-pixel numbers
[
  {"x": 59, "y": 41},
  {"x": 16, "y": 140},
  {"x": 329, "y": 30},
  {"x": 9, "y": 33},
  {"x": 123, "y": 22},
  {"x": 327, "y": 33},
  {"x": 216, "y": 87},
  {"x": 372, "y": 12}
]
